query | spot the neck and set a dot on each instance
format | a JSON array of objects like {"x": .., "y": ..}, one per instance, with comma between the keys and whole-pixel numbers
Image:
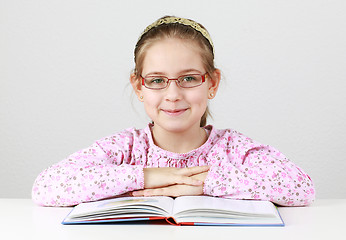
[{"x": 179, "y": 142}]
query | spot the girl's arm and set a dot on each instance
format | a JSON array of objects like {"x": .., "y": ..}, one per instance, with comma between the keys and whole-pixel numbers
[
  {"x": 261, "y": 173},
  {"x": 87, "y": 175},
  {"x": 104, "y": 170}
]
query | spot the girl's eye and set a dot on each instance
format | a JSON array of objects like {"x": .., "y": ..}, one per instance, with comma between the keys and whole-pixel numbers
[
  {"x": 157, "y": 80},
  {"x": 189, "y": 78}
]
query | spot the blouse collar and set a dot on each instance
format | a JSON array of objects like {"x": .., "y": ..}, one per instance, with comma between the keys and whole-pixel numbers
[{"x": 210, "y": 141}]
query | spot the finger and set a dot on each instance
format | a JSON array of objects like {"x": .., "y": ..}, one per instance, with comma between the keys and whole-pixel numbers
[
  {"x": 154, "y": 192},
  {"x": 150, "y": 192},
  {"x": 165, "y": 191},
  {"x": 194, "y": 170},
  {"x": 187, "y": 180},
  {"x": 139, "y": 193},
  {"x": 174, "y": 191},
  {"x": 145, "y": 193}
]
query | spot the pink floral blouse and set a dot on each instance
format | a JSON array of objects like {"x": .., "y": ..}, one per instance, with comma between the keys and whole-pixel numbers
[{"x": 241, "y": 168}]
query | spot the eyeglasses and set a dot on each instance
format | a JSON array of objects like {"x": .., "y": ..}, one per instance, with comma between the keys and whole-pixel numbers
[{"x": 184, "y": 81}]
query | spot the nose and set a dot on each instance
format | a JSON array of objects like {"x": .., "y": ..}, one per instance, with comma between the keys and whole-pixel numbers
[{"x": 173, "y": 91}]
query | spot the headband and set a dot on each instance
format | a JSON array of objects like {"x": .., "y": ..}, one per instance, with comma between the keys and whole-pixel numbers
[{"x": 184, "y": 21}]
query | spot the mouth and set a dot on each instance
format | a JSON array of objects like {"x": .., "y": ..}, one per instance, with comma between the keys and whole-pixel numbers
[{"x": 174, "y": 112}]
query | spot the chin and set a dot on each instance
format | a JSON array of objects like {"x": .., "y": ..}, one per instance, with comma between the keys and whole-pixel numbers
[{"x": 175, "y": 127}]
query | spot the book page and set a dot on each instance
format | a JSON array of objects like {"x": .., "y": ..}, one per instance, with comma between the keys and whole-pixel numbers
[
  {"x": 218, "y": 206},
  {"x": 123, "y": 207}
]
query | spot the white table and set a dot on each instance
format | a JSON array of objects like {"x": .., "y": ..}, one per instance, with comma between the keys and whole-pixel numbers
[{"x": 22, "y": 219}]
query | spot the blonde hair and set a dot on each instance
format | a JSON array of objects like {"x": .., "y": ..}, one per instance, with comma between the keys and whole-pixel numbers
[{"x": 180, "y": 31}]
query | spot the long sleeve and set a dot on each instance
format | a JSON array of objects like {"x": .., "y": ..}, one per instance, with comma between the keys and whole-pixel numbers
[
  {"x": 249, "y": 170},
  {"x": 91, "y": 174},
  {"x": 240, "y": 168}
]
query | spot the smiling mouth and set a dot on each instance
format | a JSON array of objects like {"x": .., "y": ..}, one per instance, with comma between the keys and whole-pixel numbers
[{"x": 175, "y": 112}]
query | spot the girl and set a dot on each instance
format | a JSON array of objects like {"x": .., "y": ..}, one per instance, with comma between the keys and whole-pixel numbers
[{"x": 176, "y": 154}]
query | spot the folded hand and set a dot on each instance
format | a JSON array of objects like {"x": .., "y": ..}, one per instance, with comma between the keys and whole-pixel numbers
[{"x": 177, "y": 189}]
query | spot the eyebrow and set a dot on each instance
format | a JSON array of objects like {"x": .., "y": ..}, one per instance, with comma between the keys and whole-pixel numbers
[{"x": 190, "y": 70}]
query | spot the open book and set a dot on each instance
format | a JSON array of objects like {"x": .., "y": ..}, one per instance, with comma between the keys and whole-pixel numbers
[{"x": 186, "y": 210}]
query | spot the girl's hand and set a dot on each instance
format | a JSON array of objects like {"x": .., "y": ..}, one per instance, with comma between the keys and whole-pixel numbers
[
  {"x": 174, "y": 190},
  {"x": 171, "y": 191},
  {"x": 163, "y": 177}
]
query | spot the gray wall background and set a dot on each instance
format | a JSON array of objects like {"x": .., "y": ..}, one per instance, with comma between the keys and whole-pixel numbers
[{"x": 65, "y": 65}]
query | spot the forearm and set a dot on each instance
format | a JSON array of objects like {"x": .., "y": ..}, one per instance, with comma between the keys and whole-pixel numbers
[
  {"x": 68, "y": 184},
  {"x": 263, "y": 178}
]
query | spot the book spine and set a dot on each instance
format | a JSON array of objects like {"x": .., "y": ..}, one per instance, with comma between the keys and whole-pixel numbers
[{"x": 172, "y": 221}]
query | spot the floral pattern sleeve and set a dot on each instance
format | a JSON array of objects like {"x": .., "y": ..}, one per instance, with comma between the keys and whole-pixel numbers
[
  {"x": 90, "y": 174},
  {"x": 240, "y": 168},
  {"x": 249, "y": 170}
]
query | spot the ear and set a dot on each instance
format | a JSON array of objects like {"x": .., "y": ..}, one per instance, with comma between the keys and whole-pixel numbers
[
  {"x": 137, "y": 86},
  {"x": 214, "y": 82}
]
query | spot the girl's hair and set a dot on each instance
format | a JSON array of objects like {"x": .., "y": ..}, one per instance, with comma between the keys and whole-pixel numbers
[{"x": 180, "y": 31}]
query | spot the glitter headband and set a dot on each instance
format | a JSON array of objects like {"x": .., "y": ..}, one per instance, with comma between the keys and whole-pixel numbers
[{"x": 184, "y": 21}]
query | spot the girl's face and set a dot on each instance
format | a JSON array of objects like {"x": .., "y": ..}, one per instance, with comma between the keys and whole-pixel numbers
[{"x": 175, "y": 109}]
